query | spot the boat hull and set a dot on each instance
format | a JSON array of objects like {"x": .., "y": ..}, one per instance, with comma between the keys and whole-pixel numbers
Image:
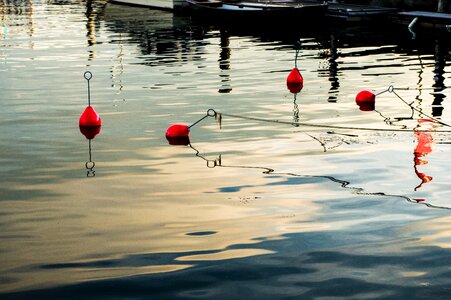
[
  {"x": 161, "y": 4},
  {"x": 271, "y": 14}
]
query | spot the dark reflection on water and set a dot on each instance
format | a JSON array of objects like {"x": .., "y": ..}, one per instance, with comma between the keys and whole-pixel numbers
[
  {"x": 298, "y": 212},
  {"x": 304, "y": 269}
]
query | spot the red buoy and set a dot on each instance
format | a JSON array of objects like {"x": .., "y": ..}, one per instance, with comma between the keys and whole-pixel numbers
[
  {"x": 295, "y": 77},
  {"x": 366, "y": 100},
  {"x": 177, "y": 130},
  {"x": 90, "y": 118},
  {"x": 178, "y": 134}
]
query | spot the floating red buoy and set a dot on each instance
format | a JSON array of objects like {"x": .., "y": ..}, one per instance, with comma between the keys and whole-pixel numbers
[
  {"x": 295, "y": 82},
  {"x": 366, "y": 100},
  {"x": 295, "y": 77},
  {"x": 178, "y": 134},
  {"x": 90, "y": 118},
  {"x": 177, "y": 130}
]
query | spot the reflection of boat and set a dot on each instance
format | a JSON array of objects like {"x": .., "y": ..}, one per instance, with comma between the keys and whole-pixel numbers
[
  {"x": 163, "y": 4},
  {"x": 247, "y": 11}
]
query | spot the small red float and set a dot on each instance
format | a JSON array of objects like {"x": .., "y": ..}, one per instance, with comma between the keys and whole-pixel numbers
[
  {"x": 366, "y": 100},
  {"x": 177, "y": 130},
  {"x": 295, "y": 77},
  {"x": 178, "y": 134},
  {"x": 90, "y": 118}
]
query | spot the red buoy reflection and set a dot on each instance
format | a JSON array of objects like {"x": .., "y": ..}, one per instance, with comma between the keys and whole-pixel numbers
[
  {"x": 423, "y": 148},
  {"x": 90, "y": 132}
]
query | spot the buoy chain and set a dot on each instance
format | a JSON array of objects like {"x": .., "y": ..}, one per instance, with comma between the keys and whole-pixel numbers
[
  {"x": 88, "y": 76},
  {"x": 390, "y": 89},
  {"x": 210, "y": 113}
]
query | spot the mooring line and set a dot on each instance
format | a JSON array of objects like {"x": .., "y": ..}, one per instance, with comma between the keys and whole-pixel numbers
[
  {"x": 391, "y": 89},
  {"x": 327, "y": 126}
]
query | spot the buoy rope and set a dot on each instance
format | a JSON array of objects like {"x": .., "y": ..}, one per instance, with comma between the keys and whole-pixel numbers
[
  {"x": 298, "y": 46},
  {"x": 296, "y": 59},
  {"x": 210, "y": 113}
]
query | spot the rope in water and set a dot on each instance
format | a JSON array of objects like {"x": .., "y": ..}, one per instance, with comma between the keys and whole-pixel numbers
[
  {"x": 218, "y": 115},
  {"x": 391, "y": 89}
]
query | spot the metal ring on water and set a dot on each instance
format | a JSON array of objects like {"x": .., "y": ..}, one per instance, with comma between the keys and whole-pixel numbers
[
  {"x": 88, "y": 75},
  {"x": 211, "y": 112},
  {"x": 90, "y": 165}
]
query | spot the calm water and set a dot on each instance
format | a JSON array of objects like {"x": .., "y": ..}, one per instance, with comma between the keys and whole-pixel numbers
[{"x": 250, "y": 209}]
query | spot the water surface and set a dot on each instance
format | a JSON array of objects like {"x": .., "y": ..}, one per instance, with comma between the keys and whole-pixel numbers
[{"x": 251, "y": 208}]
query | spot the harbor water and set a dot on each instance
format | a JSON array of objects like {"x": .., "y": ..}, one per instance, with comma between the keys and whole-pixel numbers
[{"x": 280, "y": 196}]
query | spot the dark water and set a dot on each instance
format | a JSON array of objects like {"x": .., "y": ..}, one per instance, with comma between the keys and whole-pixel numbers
[{"x": 251, "y": 209}]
